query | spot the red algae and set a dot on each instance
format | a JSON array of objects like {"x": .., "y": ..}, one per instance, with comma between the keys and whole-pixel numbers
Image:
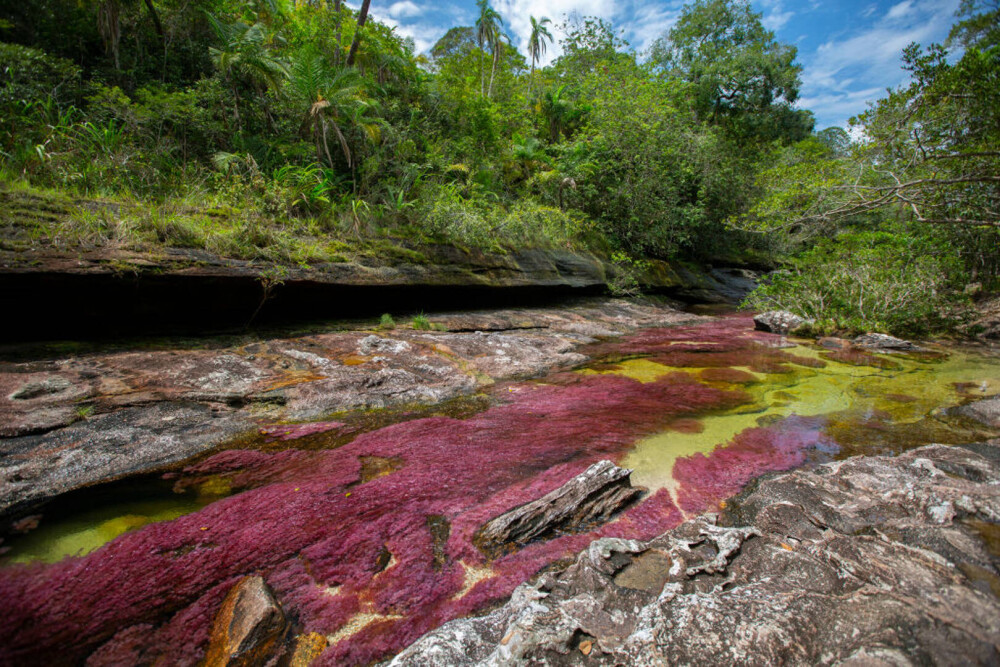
[
  {"x": 296, "y": 431},
  {"x": 319, "y": 529},
  {"x": 706, "y": 479}
]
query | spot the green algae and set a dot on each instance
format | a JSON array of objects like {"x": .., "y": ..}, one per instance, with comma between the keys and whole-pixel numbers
[
  {"x": 895, "y": 406},
  {"x": 65, "y": 531}
]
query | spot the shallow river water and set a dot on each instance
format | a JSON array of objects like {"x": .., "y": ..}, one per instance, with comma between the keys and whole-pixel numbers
[{"x": 368, "y": 540}]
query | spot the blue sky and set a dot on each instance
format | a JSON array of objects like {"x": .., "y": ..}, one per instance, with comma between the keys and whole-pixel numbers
[{"x": 849, "y": 49}]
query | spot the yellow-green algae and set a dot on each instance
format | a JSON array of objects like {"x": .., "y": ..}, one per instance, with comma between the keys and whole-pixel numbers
[
  {"x": 843, "y": 392},
  {"x": 118, "y": 512}
]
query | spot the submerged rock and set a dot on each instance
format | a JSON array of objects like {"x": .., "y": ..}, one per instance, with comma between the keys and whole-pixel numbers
[
  {"x": 870, "y": 560},
  {"x": 884, "y": 343},
  {"x": 248, "y": 627},
  {"x": 590, "y": 497},
  {"x": 778, "y": 321}
]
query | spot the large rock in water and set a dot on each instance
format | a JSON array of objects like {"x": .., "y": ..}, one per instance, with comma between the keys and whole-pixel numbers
[
  {"x": 778, "y": 321},
  {"x": 590, "y": 497},
  {"x": 873, "y": 560},
  {"x": 885, "y": 343},
  {"x": 986, "y": 411},
  {"x": 248, "y": 627}
]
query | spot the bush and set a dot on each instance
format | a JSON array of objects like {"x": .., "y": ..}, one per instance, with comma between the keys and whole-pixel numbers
[
  {"x": 477, "y": 221},
  {"x": 386, "y": 322},
  {"x": 871, "y": 281}
]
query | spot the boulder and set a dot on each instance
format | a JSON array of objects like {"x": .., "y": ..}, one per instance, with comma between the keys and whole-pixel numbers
[
  {"x": 884, "y": 343},
  {"x": 778, "y": 321},
  {"x": 986, "y": 411},
  {"x": 872, "y": 560},
  {"x": 590, "y": 497},
  {"x": 248, "y": 628}
]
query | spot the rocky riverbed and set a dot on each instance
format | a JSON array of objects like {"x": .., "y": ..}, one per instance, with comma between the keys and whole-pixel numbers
[
  {"x": 336, "y": 495},
  {"x": 869, "y": 561}
]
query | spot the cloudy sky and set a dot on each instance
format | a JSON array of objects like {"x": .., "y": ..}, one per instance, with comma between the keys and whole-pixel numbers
[{"x": 849, "y": 49}]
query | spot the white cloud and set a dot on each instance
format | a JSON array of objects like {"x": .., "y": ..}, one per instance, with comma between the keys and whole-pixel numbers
[
  {"x": 841, "y": 74},
  {"x": 900, "y": 10},
  {"x": 777, "y": 20},
  {"x": 403, "y": 9}
]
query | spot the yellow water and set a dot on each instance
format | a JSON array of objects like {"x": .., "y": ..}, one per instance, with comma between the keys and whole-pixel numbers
[
  {"x": 115, "y": 511},
  {"x": 841, "y": 391}
]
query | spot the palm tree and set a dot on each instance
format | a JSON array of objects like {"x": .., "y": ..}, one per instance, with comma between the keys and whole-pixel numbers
[
  {"x": 245, "y": 56},
  {"x": 333, "y": 100},
  {"x": 362, "y": 17},
  {"x": 536, "y": 43},
  {"x": 487, "y": 34},
  {"x": 562, "y": 114},
  {"x": 497, "y": 48}
]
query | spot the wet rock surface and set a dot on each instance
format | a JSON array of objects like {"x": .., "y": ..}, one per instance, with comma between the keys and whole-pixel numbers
[
  {"x": 872, "y": 560},
  {"x": 590, "y": 498},
  {"x": 248, "y": 626},
  {"x": 778, "y": 321},
  {"x": 986, "y": 411},
  {"x": 109, "y": 447},
  {"x": 70, "y": 422}
]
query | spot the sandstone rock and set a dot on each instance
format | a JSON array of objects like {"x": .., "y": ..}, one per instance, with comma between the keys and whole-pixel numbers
[
  {"x": 986, "y": 411},
  {"x": 590, "y": 497},
  {"x": 872, "y": 560},
  {"x": 884, "y": 343},
  {"x": 248, "y": 627},
  {"x": 108, "y": 447},
  {"x": 778, "y": 321},
  {"x": 156, "y": 407}
]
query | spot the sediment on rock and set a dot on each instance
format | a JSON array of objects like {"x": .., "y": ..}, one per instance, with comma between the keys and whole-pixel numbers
[
  {"x": 589, "y": 498},
  {"x": 870, "y": 560}
]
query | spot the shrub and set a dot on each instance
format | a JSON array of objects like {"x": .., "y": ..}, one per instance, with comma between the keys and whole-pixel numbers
[
  {"x": 871, "y": 281},
  {"x": 386, "y": 322},
  {"x": 421, "y": 323}
]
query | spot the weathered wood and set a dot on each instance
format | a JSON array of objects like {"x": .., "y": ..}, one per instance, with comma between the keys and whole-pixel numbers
[{"x": 589, "y": 498}]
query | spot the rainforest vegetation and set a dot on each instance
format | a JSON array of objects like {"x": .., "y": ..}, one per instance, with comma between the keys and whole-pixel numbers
[{"x": 292, "y": 131}]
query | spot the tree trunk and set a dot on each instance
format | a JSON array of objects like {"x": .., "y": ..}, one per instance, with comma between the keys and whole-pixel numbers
[
  {"x": 493, "y": 71},
  {"x": 362, "y": 17},
  {"x": 159, "y": 31}
]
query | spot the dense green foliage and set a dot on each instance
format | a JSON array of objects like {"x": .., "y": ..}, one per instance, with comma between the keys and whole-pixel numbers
[
  {"x": 911, "y": 211},
  {"x": 260, "y": 108},
  {"x": 296, "y": 131}
]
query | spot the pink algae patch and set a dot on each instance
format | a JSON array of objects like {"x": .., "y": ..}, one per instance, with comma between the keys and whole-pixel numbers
[
  {"x": 318, "y": 532},
  {"x": 704, "y": 480},
  {"x": 296, "y": 431}
]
